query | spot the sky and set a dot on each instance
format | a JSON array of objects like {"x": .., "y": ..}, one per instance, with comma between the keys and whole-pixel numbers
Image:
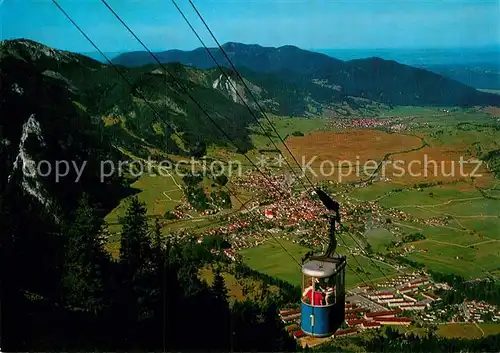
[{"x": 309, "y": 24}]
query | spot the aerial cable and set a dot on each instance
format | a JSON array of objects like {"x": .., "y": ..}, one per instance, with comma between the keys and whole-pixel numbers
[
  {"x": 372, "y": 261},
  {"x": 253, "y": 97},
  {"x": 184, "y": 89},
  {"x": 246, "y": 86},
  {"x": 236, "y": 91},
  {"x": 355, "y": 259},
  {"x": 152, "y": 108},
  {"x": 251, "y": 94},
  {"x": 248, "y": 89},
  {"x": 136, "y": 91}
]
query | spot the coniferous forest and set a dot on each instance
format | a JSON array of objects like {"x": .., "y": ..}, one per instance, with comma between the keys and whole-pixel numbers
[{"x": 67, "y": 293}]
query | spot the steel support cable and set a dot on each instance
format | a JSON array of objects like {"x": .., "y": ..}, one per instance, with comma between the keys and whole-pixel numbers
[
  {"x": 235, "y": 90},
  {"x": 248, "y": 89},
  {"x": 145, "y": 100},
  {"x": 136, "y": 91},
  {"x": 372, "y": 261},
  {"x": 184, "y": 89},
  {"x": 355, "y": 259},
  {"x": 246, "y": 86}
]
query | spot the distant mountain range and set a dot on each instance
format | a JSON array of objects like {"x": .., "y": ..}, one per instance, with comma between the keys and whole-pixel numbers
[
  {"x": 475, "y": 75},
  {"x": 383, "y": 81},
  {"x": 475, "y": 67}
]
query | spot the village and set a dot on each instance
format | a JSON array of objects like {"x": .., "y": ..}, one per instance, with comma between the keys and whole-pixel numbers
[
  {"x": 393, "y": 124},
  {"x": 409, "y": 299},
  {"x": 282, "y": 211}
]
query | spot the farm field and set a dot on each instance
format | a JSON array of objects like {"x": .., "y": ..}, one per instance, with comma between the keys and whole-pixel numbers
[
  {"x": 373, "y": 192},
  {"x": 453, "y": 250},
  {"x": 379, "y": 238},
  {"x": 159, "y": 193},
  {"x": 349, "y": 155},
  {"x": 412, "y": 111},
  {"x": 468, "y": 330},
  {"x": 436, "y": 164},
  {"x": 285, "y": 127},
  {"x": 436, "y": 196},
  {"x": 271, "y": 259},
  {"x": 362, "y": 144}
]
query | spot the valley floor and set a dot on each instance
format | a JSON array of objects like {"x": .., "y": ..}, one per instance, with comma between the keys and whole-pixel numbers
[{"x": 458, "y": 216}]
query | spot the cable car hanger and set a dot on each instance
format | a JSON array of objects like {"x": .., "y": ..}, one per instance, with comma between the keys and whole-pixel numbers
[{"x": 333, "y": 217}]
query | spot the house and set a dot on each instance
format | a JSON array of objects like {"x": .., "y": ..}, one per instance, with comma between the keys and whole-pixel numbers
[
  {"x": 289, "y": 312},
  {"x": 230, "y": 253},
  {"x": 370, "y": 325},
  {"x": 289, "y": 318},
  {"x": 380, "y": 314},
  {"x": 406, "y": 290},
  {"x": 410, "y": 297},
  {"x": 351, "y": 316},
  {"x": 354, "y": 323},
  {"x": 349, "y": 331},
  {"x": 357, "y": 310},
  {"x": 381, "y": 295},
  {"x": 414, "y": 307},
  {"x": 399, "y": 321},
  {"x": 431, "y": 296},
  {"x": 418, "y": 283},
  {"x": 391, "y": 300},
  {"x": 299, "y": 334}
]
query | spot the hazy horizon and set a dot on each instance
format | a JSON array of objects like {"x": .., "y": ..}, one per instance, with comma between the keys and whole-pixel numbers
[{"x": 354, "y": 24}]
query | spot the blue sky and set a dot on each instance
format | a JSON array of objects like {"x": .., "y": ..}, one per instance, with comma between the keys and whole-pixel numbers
[{"x": 305, "y": 23}]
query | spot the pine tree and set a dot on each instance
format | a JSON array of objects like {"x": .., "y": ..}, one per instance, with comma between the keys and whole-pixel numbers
[
  {"x": 219, "y": 289},
  {"x": 157, "y": 246},
  {"x": 136, "y": 268},
  {"x": 85, "y": 259},
  {"x": 135, "y": 245}
]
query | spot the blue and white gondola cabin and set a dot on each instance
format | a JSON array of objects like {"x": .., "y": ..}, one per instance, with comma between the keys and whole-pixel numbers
[
  {"x": 323, "y": 283},
  {"x": 323, "y": 295}
]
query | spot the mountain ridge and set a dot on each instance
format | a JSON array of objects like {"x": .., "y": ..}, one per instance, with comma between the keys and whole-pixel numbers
[{"x": 377, "y": 79}]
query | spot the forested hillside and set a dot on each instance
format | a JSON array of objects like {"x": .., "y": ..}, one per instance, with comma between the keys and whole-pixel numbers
[
  {"x": 150, "y": 298},
  {"x": 60, "y": 289},
  {"x": 142, "y": 108}
]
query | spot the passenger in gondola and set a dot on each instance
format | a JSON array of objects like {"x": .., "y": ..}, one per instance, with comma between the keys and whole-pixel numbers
[
  {"x": 308, "y": 288},
  {"x": 328, "y": 289},
  {"x": 330, "y": 295},
  {"x": 315, "y": 297}
]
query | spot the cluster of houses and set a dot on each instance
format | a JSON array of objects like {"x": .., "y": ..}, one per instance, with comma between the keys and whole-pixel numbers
[
  {"x": 408, "y": 293},
  {"x": 358, "y": 123},
  {"x": 292, "y": 211},
  {"x": 274, "y": 186},
  {"x": 478, "y": 311},
  {"x": 370, "y": 320},
  {"x": 356, "y": 319},
  {"x": 392, "y": 123}
]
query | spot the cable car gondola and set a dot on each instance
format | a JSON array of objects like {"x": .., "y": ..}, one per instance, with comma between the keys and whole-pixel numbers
[{"x": 323, "y": 283}]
